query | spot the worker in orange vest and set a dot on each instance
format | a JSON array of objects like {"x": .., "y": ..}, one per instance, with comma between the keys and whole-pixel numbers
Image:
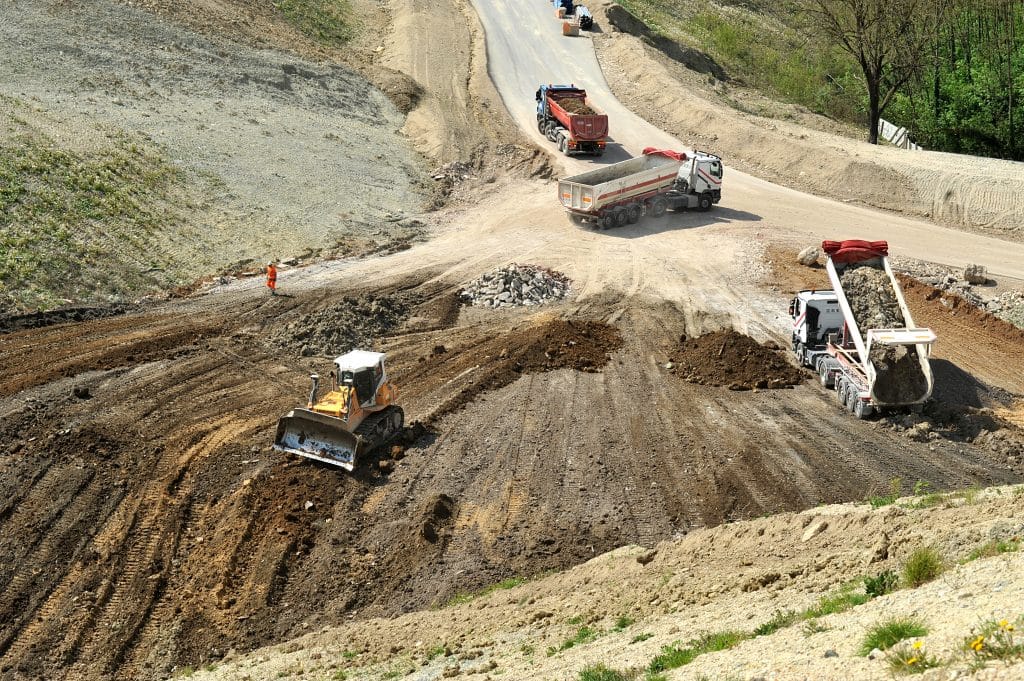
[{"x": 272, "y": 278}]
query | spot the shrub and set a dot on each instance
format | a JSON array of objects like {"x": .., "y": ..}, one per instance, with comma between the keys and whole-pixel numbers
[
  {"x": 886, "y": 635},
  {"x": 599, "y": 672},
  {"x": 994, "y": 548},
  {"x": 923, "y": 565},
  {"x": 780, "y": 619},
  {"x": 675, "y": 655},
  {"x": 881, "y": 584}
]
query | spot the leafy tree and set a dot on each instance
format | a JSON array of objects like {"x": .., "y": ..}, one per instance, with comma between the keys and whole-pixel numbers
[{"x": 889, "y": 39}]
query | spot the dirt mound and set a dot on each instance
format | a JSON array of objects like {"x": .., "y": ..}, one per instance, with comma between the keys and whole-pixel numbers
[
  {"x": 353, "y": 323},
  {"x": 500, "y": 360},
  {"x": 728, "y": 358},
  {"x": 871, "y": 298},
  {"x": 576, "y": 106},
  {"x": 948, "y": 304},
  {"x": 35, "y": 320}
]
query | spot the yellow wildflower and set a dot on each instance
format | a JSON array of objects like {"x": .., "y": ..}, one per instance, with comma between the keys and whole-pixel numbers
[
  {"x": 917, "y": 645},
  {"x": 1003, "y": 624},
  {"x": 978, "y": 643},
  {"x": 912, "y": 661}
]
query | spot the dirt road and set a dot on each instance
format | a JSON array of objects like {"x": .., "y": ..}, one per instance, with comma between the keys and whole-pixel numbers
[{"x": 526, "y": 48}]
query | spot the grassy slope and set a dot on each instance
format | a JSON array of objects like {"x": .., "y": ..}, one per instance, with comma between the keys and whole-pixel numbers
[
  {"x": 68, "y": 210},
  {"x": 764, "y": 46}
]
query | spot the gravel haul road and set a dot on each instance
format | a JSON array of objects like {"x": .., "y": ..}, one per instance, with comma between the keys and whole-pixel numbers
[{"x": 146, "y": 525}]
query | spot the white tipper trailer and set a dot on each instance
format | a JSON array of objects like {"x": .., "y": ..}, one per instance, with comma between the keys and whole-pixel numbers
[{"x": 656, "y": 181}]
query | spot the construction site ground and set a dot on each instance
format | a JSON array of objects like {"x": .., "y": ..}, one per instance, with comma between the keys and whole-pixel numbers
[{"x": 148, "y": 529}]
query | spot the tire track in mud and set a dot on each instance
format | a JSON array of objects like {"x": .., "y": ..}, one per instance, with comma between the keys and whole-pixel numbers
[{"x": 29, "y": 596}]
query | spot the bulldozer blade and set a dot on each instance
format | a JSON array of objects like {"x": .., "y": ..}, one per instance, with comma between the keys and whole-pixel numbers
[{"x": 317, "y": 436}]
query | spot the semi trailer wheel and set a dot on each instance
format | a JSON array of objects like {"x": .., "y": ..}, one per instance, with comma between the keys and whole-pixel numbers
[
  {"x": 658, "y": 206},
  {"x": 862, "y": 409},
  {"x": 827, "y": 379},
  {"x": 633, "y": 213}
]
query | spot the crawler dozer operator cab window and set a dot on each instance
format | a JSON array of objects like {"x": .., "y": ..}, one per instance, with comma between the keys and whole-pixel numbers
[{"x": 365, "y": 382}]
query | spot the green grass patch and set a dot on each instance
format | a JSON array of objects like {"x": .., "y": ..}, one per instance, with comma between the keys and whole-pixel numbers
[
  {"x": 623, "y": 622},
  {"x": 599, "y": 672},
  {"x": 835, "y": 603},
  {"x": 764, "y": 46},
  {"x": 993, "y": 548},
  {"x": 583, "y": 635},
  {"x": 639, "y": 638},
  {"x": 922, "y": 566},
  {"x": 329, "y": 22},
  {"x": 510, "y": 583},
  {"x": 65, "y": 214},
  {"x": 887, "y": 634},
  {"x": 676, "y": 655},
  {"x": 780, "y": 620}
]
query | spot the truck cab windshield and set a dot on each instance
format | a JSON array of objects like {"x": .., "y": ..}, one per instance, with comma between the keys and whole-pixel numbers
[{"x": 716, "y": 169}]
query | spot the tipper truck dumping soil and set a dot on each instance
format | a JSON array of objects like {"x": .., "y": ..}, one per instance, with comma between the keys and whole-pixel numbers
[
  {"x": 731, "y": 359},
  {"x": 872, "y": 299},
  {"x": 860, "y": 336}
]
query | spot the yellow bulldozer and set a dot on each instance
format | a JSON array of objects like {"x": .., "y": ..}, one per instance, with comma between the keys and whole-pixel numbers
[{"x": 358, "y": 415}]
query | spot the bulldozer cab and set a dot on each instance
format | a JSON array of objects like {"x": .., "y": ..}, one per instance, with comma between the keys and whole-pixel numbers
[{"x": 363, "y": 371}]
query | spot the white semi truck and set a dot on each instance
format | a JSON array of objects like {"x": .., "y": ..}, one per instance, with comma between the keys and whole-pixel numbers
[
  {"x": 870, "y": 368},
  {"x": 652, "y": 183}
]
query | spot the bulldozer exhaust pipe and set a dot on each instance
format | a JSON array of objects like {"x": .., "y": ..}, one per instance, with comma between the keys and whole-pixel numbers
[{"x": 312, "y": 392}]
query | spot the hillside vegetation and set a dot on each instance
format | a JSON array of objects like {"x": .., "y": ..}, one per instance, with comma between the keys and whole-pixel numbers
[{"x": 966, "y": 95}]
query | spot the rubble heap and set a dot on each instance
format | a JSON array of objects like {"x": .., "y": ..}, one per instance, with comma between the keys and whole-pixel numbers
[{"x": 516, "y": 285}]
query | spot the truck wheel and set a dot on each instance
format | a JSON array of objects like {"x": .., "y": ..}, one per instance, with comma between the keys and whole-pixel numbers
[
  {"x": 605, "y": 222},
  {"x": 563, "y": 145},
  {"x": 621, "y": 217},
  {"x": 704, "y": 202},
  {"x": 851, "y": 398},
  {"x": 825, "y": 373},
  {"x": 633, "y": 213},
  {"x": 658, "y": 206},
  {"x": 862, "y": 409},
  {"x": 542, "y": 125}
]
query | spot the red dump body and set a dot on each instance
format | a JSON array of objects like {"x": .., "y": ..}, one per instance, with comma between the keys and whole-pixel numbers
[{"x": 583, "y": 127}]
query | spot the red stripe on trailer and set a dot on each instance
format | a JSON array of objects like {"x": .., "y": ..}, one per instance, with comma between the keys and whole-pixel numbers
[{"x": 636, "y": 186}]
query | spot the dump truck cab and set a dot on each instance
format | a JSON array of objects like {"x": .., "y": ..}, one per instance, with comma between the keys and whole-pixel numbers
[{"x": 815, "y": 316}]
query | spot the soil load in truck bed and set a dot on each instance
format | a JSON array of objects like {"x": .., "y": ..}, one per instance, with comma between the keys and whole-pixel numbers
[
  {"x": 871, "y": 298},
  {"x": 898, "y": 375},
  {"x": 576, "y": 106}
]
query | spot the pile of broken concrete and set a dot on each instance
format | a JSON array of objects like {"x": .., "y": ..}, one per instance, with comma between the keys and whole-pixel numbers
[{"x": 516, "y": 285}]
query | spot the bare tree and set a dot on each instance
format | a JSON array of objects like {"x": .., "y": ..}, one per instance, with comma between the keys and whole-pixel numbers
[{"x": 890, "y": 40}]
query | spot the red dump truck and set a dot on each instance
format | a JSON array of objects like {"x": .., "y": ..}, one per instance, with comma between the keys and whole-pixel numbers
[{"x": 567, "y": 117}]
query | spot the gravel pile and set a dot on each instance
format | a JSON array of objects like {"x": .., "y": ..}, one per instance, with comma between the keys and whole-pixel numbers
[
  {"x": 871, "y": 298},
  {"x": 350, "y": 324},
  {"x": 517, "y": 285}
]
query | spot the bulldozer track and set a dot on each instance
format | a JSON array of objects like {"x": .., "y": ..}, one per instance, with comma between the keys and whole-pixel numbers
[{"x": 30, "y": 584}]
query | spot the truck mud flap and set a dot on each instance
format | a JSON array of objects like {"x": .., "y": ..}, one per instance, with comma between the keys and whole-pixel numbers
[{"x": 317, "y": 436}]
